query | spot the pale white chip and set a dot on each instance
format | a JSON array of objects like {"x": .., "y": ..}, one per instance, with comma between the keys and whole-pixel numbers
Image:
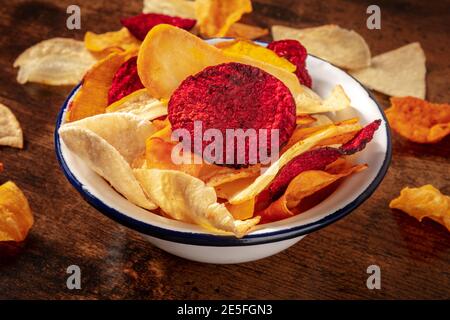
[
  {"x": 127, "y": 133},
  {"x": 188, "y": 199},
  {"x": 179, "y": 8},
  {"x": 298, "y": 148},
  {"x": 310, "y": 102},
  {"x": 141, "y": 104},
  {"x": 342, "y": 47},
  {"x": 10, "y": 131},
  {"x": 57, "y": 61},
  {"x": 400, "y": 72},
  {"x": 106, "y": 161}
]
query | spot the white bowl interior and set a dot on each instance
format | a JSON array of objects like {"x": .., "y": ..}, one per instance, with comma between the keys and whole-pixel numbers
[{"x": 325, "y": 77}]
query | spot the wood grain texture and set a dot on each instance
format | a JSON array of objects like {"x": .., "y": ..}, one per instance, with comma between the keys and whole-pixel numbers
[{"x": 117, "y": 263}]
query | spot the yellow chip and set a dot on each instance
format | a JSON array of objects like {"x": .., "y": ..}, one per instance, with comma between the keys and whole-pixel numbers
[
  {"x": 400, "y": 72},
  {"x": 424, "y": 202},
  {"x": 56, "y": 61},
  {"x": 16, "y": 218},
  {"x": 419, "y": 120},
  {"x": 108, "y": 42},
  {"x": 254, "y": 51},
  {"x": 215, "y": 17},
  {"x": 186, "y": 198},
  {"x": 342, "y": 47},
  {"x": 10, "y": 131}
]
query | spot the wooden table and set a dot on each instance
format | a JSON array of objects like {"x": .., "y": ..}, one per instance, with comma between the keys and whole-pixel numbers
[{"x": 117, "y": 263}]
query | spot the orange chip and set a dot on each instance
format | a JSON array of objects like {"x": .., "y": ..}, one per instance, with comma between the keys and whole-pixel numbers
[
  {"x": 304, "y": 119},
  {"x": 16, "y": 218},
  {"x": 424, "y": 202},
  {"x": 215, "y": 17},
  {"x": 245, "y": 31},
  {"x": 108, "y": 42},
  {"x": 92, "y": 98},
  {"x": 419, "y": 120},
  {"x": 304, "y": 185},
  {"x": 242, "y": 211}
]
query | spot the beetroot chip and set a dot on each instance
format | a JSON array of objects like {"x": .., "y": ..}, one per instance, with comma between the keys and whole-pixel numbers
[
  {"x": 141, "y": 24},
  {"x": 234, "y": 100},
  {"x": 360, "y": 140},
  {"x": 293, "y": 51},
  {"x": 318, "y": 159},
  {"x": 125, "y": 81}
]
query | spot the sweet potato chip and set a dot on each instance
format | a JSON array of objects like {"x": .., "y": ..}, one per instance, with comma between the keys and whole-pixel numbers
[
  {"x": 419, "y": 120},
  {"x": 215, "y": 17},
  {"x": 16, "y": 218},
  {"x": 57, "y": 61},
  {"x": 105, "y": 43},
  {"x": 188, "y": 199},
  {"x": 342, "y": 47},
  {"x": 298, "y": 148},
  {"x": 302, "y": 186},
  {"x": 244, "y": 31},
  {"x": 141, "y": 104},
  {"x": 110, "y": 162},
  {"x": 254, "y": 51},
  {"x": 400, "y": 72},
  {"x": 229, "y": 189},
  {"x": 424, "y": 202},
  {"x": 92, "y": 98},
  {"x": 10, "y": 131}
]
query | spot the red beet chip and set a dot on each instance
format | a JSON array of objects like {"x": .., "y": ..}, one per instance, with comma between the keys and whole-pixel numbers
[
  {"x": 293, "y": 51},
  {"x": 141, "y": 24},
  {"x": 125, "y": 81},
  {"x": 234, "y": 96},
  {"x": 318, "y": 159},
  {"x": 360, "y": 140}
]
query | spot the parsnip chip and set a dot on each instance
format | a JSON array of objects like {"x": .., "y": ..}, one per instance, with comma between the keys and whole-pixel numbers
[
  {"x": 244, "y": 31},
  {"x": 162, "y": 66},
  {"x": 424, "y": 202},
  {"x": 10, "y": 131},
  {"x": 57, "y": 61},
  {"x": 92, "y": 98},
  {"x": 419, "y": 120},
  {"x": 188, "y": 199},
  {"x": 254, "y": 51},
  {"x": 302, "y": 186},
  {"x": 127, "y": 133},
  {"x": 309, "y": 102},
  {"x": 301, "y": 133},
  {"x": 141, "y": 104},
  {"x": 342, "y": 47},
  {"x": 215, "y": 17},
  {"x": 16, "y": 218},
  {"x": 400, "y": 72},
  {"x": 298, "y": 148},
  {"x": 179, "y": 8},
  {"x": 105, "y": 43},
  {"x": 106, "y": 161}
]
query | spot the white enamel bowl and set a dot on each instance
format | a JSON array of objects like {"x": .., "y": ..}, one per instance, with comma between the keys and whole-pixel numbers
[{"x": 192, "y": 242}]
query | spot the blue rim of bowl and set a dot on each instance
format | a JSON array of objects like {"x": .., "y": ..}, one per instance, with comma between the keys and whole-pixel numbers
[{"x": 203, "y": 239}]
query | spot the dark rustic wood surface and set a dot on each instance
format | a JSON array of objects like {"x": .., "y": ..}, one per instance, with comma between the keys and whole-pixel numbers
[{"x": 117, "y": 263}]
